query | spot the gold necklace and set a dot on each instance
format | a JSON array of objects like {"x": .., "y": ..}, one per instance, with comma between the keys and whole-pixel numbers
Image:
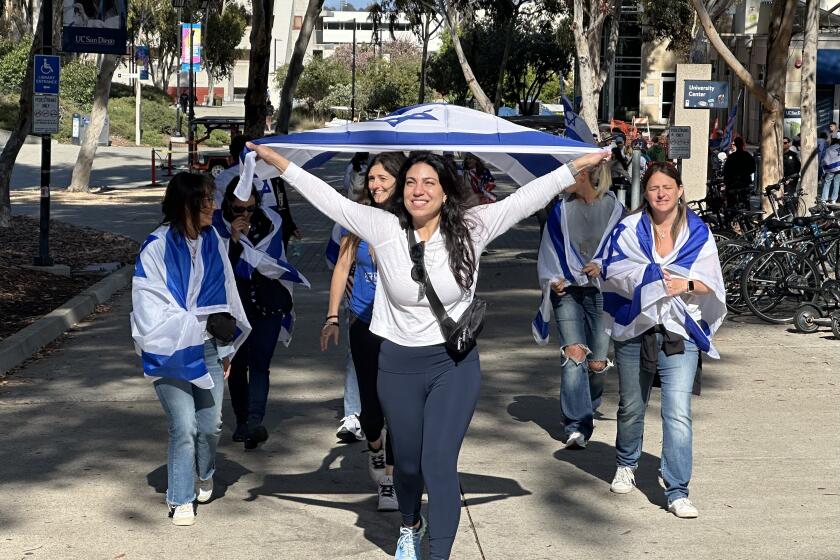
[{"x": 658, "y": 233}]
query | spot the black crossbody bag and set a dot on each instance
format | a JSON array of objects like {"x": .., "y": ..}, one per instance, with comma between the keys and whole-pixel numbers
[{"x": 461, "y": 335}]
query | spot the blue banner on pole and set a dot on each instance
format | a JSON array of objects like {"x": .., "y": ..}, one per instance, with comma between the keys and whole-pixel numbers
[{"x": 94, "y": 27}]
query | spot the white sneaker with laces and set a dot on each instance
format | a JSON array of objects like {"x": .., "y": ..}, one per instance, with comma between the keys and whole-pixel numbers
[
  {"x": 183, "y": 515},
  {"x": 205, "y": 491},
  {"x": 350, "y": 429},
  {"x": 624, "y": 481},
  {"x": 408, "y": 545},
  {"x": 387, "y": 496},
  {"x": 376, "y": 465},
  {"x": 576, "y": 441},
  {"x": 683, "y": 508}
]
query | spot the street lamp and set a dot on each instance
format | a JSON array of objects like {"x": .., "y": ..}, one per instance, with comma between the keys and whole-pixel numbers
[{"x": 202, "y": 5}]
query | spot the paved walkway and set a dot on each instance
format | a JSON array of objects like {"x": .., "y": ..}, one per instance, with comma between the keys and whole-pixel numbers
[{"x": 82, "y": 455}]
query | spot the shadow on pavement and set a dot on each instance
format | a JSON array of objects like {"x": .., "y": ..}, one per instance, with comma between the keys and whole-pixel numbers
[{"x": 227, "y": 474}]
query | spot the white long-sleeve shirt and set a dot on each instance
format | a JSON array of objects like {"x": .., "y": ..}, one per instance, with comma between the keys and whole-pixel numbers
[{"x": 399, "y": 314}]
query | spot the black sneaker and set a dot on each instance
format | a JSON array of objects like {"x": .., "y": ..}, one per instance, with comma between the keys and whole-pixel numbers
[
  {"x": 257, "y": 436},
  {"x": 240, "y": 433}
]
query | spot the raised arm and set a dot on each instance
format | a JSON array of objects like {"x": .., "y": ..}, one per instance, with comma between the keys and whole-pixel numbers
[
  {"x": 364, "y": 221},
  {"x": 499, "y": 217}
]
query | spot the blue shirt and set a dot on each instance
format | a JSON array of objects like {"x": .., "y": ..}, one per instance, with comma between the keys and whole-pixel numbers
[{"x": 364, "y": 284}]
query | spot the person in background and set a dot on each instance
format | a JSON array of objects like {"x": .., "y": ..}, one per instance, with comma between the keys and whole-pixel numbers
[
  {"x": 479, "y": 179},
  {"x": 790, "y": 165},
  {"x": 620, "y": 166},
  {"x": 265, "y": 282},
  {"x": 357, "y": 256},
  {"x": 569, "y": 266},
  {"x": 738, "y": 176},
  {"x": 831, "y": 170},
  {"x": 187, "y": 322},
  {"x": 656, "y": 152},
  {"x": 664, "y": 299},
  {"x": 269, "y": 115}
]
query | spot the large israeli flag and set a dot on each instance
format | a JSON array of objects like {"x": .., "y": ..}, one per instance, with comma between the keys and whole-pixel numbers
[
  {"x": 576, "y": 127},
  {"x": 173, "y": 292},
  {"x": 522, "y": 153},
  {"x": 635, "y": 295}
]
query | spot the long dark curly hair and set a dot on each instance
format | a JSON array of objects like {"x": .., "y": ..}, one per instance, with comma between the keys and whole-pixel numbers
[{"x": 455, "y": 226}]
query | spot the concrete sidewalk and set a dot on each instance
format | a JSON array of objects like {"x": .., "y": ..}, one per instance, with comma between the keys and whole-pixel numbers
[{"x": 83, "y": 452}]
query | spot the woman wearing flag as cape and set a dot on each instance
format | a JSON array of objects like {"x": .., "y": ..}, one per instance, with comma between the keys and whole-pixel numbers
[
  {"x": 574, "y": 241},
  {"x": 187, "y": 322},
  {"x": 664, "y": 298},
  {"x": 428, "y": 393},
  {"x": 253, "y": 238}
]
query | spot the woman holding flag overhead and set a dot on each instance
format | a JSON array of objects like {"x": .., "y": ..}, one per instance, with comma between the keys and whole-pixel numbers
[
  {"x": 573, "y": 244},
  {"x": 253, "y": 235},
  {"x": 428, "y": 389},
  {"x": 187, "y": 321},
  {"x": 664, "y": 298}
]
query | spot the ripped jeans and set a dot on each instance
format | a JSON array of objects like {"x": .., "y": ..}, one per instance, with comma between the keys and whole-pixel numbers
[{"x": 578, "y": 315}]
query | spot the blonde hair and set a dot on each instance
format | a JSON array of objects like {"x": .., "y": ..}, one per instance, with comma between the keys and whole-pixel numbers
[{"x": 601, "y": 178}]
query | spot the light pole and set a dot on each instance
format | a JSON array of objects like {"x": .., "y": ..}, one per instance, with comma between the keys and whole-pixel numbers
[{"x": 353, "y": 76}]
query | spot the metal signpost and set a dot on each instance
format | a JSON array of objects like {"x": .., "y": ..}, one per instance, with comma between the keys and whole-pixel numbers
[{"x": 45, "y": 114}]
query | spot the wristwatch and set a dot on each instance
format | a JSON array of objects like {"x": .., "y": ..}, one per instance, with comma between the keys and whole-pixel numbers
[
  {"x": 573, "y": 169},
  {"x": 690, "y": 286}
]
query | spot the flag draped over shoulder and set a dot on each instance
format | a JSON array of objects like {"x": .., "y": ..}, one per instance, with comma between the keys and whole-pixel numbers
[
  {"x": 268, "y": 257},
  {"x": 172, "y": 296},
  {"x": 635, "y": 295},
  {"x": 558, "y": 259}
]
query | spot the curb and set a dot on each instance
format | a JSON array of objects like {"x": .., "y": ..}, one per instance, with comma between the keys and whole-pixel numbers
[{"x": 24, "y": 343}]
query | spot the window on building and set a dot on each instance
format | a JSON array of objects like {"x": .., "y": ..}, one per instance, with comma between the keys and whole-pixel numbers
[
  {"x": 297, "y": 22},
  {"x": 669, "y": 90}
]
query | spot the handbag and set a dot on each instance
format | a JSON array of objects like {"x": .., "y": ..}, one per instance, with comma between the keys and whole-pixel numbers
[{"x": 459, "y": 336}]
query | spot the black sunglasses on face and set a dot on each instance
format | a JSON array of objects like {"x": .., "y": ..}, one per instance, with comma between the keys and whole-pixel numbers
[{"x": 243, "y": 209}]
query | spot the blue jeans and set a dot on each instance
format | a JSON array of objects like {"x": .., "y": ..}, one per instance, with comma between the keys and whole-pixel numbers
[
  {"x": 352, "y": 400},
  {"x": 578, "y": 315},
  {"x": 249, "y": 381},
  {"x": 195, "y": 424},
  {"x": 677, "y": 375},
  {"x": 829, "y": 193}
]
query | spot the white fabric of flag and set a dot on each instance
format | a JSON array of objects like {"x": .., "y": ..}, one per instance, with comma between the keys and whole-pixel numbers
[
  {"x": 268, "y": 257},
  {"x": 559, "y": 260},
  {"x": 635, "y": 296},
  {"x": 172, "y": 295}
]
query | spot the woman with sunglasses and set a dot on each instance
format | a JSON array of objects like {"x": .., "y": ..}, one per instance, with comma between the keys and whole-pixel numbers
[
  {"x": 187, "y": 321},
  {"x": 357, "y": 255},
  {"x": 254, "y": 237},
  {"x": 663, "y": 300},
  {"x": 428, "y": 396}
]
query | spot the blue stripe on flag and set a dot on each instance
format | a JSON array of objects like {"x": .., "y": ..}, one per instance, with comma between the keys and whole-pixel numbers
[
  {"x": 186, "y": 363},
  {"x": 139, "y": 271},
  {"x": 524, "y": 138},
  {"x": 213, "y": 284},
  {"x": 219, "y": 224},
  {"x": 331, "y": 253},
  {"x": 695, "y": 332},
  {"x": 178, "y": 265},
  {"x": 698, "y": 234},
  {"x": 243, "y": 269},
  {"x": 318, "y": 160},
  {"x": 537, "y": 164},
  {"x": 614, "y": 252},
  {"x": 625, "y": 311},
  {"x": 541, "y": 325},
  {"x": 555, "y": 231}
]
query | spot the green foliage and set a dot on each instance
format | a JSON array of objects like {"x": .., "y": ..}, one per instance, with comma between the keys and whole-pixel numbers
[
  {"x": 13, "y": 65},
  {"x": 391, "y": 85},
  {"x": 78, "y": 83},
  {"x": 9, "y": 107},
  {"x": 224, "y": 31},
  {"x": 668, "y": 19},
  {"x": 318, "y": 75}
]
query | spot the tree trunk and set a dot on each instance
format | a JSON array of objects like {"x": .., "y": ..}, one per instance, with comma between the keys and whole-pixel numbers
[
  {"x": 296, "y": 67},
  {"x": 421, "y": 96},
  {"x": 211, "y": 87},
  {"x": 500, "y": 82},
  {"x": 808, "y": 149},
  {"x": 481, "y": 98},
  {"x": 81, "y": 171},
  {"x": 772, "y": 118},
  {"x": 593, "y": 70},
  {"x": 19, "y": 132},
  {"x": 262, "y": 21},
  {"x": 15, "y": 22}
]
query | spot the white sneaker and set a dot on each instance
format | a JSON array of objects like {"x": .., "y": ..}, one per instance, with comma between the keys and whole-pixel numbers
[
  {"x": 376, "y": 465},
  {"x": 624, "y": 481},
  {"x": 183, "y": 515},
  {"x": 576, "y": 441},
  {"x": 683, "y": 508},
  {"x": 387, "y": 496},
  {"x": 205, "y": 491},
  {"x": 350, "y": 429}
]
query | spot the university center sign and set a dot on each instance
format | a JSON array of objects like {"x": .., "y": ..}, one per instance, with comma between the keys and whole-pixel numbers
[{"x": 704, "y": 94}]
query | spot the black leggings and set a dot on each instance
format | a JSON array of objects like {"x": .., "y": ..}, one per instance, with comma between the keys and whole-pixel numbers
[
  {"x": 429, "y": 400},
  {"x": 364, "y": 348}
]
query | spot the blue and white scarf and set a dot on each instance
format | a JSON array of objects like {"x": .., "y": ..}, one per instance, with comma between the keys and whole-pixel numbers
[
  {"x": 268, "y": 258},
  {"x": 635, "y": 295},
  {"x": 560, "y": 260},
  {"x": 172, "y": 295}
]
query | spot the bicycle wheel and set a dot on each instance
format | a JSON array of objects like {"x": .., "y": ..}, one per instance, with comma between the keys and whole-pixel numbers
[
  {"x": 776, "y": 282},
  {"x": 729, "y": 247},
  {"x": 732, "y": 268}
]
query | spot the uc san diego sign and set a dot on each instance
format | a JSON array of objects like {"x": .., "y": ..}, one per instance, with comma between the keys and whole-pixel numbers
[{"x": 94, "y": 26}]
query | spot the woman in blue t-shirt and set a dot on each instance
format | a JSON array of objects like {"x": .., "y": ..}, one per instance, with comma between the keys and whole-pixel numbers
[{"x": 355, "y": 272}]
